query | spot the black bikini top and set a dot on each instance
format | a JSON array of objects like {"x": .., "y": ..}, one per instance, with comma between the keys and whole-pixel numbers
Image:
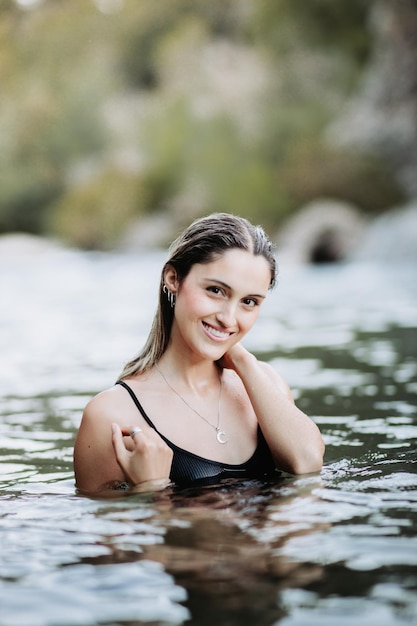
[{"x": 188, "y": 467}]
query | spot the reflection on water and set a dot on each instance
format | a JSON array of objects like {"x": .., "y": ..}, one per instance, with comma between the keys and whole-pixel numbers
[{"x": 339, "y": 547}]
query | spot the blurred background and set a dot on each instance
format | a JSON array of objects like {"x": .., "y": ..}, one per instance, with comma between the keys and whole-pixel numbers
[{"x": 122, "y": 120}]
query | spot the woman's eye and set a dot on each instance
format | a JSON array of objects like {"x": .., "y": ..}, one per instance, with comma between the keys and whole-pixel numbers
[
  {"x": 214, "y": 289},
  {"x": 250, "y": 302}
]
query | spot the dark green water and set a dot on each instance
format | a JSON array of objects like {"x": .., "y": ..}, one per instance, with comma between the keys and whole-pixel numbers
[{"x": 335, "y": 548}]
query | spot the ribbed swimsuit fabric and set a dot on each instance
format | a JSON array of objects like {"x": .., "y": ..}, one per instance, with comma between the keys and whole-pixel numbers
[{"x": 188, "y": 467}]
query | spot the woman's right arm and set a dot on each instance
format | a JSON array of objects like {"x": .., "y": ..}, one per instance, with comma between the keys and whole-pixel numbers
[
  {"x": 106, "y": 457},
  {"x": 95, "y": 465}
]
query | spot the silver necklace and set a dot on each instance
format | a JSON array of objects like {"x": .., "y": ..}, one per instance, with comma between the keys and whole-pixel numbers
[{"x": 220, "y": 434}]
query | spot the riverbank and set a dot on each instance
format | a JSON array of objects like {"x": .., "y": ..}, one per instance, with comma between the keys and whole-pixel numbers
[{"x": 323, "y": 231}]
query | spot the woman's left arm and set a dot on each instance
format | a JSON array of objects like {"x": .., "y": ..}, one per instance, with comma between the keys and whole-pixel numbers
[{"x": 294, "y": 439}]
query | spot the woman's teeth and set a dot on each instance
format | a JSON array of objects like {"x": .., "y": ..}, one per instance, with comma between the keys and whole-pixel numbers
[{"x": 217, "y": 333}]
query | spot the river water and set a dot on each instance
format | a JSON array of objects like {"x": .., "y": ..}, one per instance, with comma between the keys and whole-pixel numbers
[{"x": 335, "y": 548}]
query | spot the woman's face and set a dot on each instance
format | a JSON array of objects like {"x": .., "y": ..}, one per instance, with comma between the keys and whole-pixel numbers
[{"x": 218, "y": 302}]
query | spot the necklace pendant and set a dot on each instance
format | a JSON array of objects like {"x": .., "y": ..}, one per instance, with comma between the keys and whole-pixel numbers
[{"x": 221, "y": 436}]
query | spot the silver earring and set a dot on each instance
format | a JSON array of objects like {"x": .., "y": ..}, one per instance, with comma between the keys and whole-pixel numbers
[{"x": 170, "y": 296}]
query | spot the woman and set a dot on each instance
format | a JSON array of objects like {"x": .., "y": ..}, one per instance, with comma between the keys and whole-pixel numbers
[{"x": 195, "y": 404}]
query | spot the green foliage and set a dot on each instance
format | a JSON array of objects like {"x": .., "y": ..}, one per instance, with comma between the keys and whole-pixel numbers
[
  {"x": 313, "y": 170},
  {"x": 26, "y": 191},
  {"x": 49, "y": 108},
  {"x": 326, "y": 24},
  {"x": 141, "y": 36},
  {"x": 93, "y": 215},
  {"x": 225, "y": 172},
  {"x": 144, "y": 26},
  {"x": 65, "y": 64},
  {"x": 235, "y": 175},
  {"x": 164, "y": 139}
]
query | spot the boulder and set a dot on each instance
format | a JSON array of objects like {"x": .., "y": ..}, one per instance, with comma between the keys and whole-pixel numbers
[{"x": 323, "y": 231}]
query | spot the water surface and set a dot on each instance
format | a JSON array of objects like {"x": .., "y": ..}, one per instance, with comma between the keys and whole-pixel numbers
[{"x": 339, "y": 547}]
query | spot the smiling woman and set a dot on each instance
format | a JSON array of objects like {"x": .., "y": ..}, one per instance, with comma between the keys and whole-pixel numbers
[{"x": 194, "y": 376}]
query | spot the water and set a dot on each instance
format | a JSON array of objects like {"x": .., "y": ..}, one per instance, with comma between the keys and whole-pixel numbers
[{"x": 335, "y": 548}]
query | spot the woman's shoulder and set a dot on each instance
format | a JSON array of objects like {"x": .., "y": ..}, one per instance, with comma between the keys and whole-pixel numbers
[
  {"x": 103, "y": 398},
  {"x": 106, "y": 404},
  {"x": 100, "y": 412}
]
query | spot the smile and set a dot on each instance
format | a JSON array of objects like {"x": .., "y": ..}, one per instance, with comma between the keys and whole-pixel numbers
[{"x": 215, "y": 332}]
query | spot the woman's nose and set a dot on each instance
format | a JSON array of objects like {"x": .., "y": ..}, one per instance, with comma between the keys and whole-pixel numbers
[{"x": 227, "y": 315}]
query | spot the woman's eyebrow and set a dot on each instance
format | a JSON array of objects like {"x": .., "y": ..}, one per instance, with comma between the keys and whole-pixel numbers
[
  {"x": 226, "y": 286},
  {"x": 218, "y": 281}
]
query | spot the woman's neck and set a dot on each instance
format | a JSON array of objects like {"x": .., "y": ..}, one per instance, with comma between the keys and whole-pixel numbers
[{"x": 196, "y": 375}]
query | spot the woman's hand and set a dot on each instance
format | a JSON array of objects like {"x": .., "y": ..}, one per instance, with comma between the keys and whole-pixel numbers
[
  {"x": 230, "y": 360},
  {"x": 149, "y": 460},
  {"x": 293, "y": 438}
]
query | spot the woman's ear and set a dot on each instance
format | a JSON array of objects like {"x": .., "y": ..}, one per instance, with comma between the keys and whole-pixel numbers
[{"x": 171, "y": 279}]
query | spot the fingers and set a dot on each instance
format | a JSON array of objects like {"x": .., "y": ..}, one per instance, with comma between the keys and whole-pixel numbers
[
  {"x": 144, "y": 457},
  {"x": 117, "y": 440},
  {"x": 127, "y": 430},
  {"x": 141, "y": 436}
]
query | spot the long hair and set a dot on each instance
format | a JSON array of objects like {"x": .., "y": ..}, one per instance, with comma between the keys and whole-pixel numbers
[{"x": 204, "y": 241}]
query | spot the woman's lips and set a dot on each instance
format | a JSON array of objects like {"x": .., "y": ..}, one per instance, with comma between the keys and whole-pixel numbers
[{"x": 216, "y": 332}]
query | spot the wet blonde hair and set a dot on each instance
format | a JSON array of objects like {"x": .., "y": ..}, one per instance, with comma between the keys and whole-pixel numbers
[{"x": 204, "y": 241}]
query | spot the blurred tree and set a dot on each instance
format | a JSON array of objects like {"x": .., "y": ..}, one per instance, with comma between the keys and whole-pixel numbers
[
  {"x": 144, "y": 25},
  {"x": 93, "y": 214},
  {"x": 52, "y": 74},
  {"x": 341, "y": 25},
  {"x": 219, "y": 106}
]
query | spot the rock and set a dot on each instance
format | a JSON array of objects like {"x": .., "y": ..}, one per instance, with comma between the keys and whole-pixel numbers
[{"x": 323, "y": 231}]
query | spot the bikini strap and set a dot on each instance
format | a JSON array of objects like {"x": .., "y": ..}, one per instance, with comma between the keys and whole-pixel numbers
[{"x": 137, "y": 403}]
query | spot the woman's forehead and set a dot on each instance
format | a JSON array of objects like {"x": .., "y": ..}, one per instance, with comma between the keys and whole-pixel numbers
[{"x": 236, "y": 265}]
